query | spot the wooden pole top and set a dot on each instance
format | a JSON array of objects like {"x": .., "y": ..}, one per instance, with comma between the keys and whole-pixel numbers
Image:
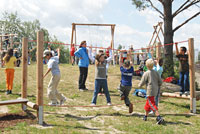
[
  {"x": 8, "y": 35},
  {"x": 86, "y": 24}
]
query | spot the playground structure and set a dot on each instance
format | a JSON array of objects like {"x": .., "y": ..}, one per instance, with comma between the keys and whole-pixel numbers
[
  {"x": 39, "y": 100},
  {"x": 9, "y": 37}
]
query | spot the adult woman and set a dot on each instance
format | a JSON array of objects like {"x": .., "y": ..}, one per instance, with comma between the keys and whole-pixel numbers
[{"x": 83, "y": 64}]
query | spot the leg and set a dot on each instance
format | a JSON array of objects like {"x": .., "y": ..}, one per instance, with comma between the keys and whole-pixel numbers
[
  {"x": 52, "y": 89},
  {"x": 186, "y": 81},
  {"x": 126, "y": 94},
  {"x": 59, "y": 96},
  {"x": 105, "y": 88},
  {"x": 12, "y": 72},
  {"x": 121, "y": 92},
  {"x": 181, "y": 80},
  {"x": 157, "y": 97},
  {"x": 85, "y": 76},
  {"x": 96, "y": 90},
  {"x": 7, "y": 78},
  {"x": 81, "y": 78}
]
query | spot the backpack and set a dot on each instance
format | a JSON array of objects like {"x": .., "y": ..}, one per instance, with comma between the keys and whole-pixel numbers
[{"x": 140, "y": 93}]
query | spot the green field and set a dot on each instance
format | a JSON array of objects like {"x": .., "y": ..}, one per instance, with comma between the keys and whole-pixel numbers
[{"x": 105, "y": 119}]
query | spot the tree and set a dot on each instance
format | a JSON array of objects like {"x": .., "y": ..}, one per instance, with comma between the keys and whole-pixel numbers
[
  {"x": 169, "y": 30},
  {"x": 119, "y": 47}
]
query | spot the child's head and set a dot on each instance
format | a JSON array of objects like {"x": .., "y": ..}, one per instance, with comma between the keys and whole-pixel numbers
[
  {"x": 100, "y": 57},
  {"x": 101, "y": 51},
  {"x": 183, "y": 50},
  {"x": 149, "y": 64},
  {"x": 47, "y": 54},
  {"x": 126, "y": 63},
  {"x": 10, "y": 52}
]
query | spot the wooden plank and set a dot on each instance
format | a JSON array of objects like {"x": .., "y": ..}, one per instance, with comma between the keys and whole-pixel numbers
[
  {"x": 24, "y": 67},
  {"x": 93, "y": 24},
  {"x": 32, "y": 105},
  {"x": 192, "y": 76},
  {"x": 17, "y": 101},
  {"x": 175, "y": 95}
]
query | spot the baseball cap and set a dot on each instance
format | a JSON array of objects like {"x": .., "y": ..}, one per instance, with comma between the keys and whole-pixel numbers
[{"x": 46, "y": 52}]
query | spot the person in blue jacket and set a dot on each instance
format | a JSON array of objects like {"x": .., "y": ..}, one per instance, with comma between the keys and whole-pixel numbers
[{"x": 83, "y": 64}]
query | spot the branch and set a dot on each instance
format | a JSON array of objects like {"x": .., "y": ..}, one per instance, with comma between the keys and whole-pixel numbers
[
  {"x": 186, "y": 21},
  {"x": 182, "y": 8},
  {"x": 155, "y": 8}
]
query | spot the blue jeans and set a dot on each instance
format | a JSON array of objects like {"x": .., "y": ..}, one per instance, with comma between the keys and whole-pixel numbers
[
  {"x": 184, "y": 81},
  {"x": 101, "y": 83}
]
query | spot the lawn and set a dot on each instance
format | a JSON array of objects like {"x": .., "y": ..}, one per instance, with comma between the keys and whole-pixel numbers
[{"x": 104, "y": 119}]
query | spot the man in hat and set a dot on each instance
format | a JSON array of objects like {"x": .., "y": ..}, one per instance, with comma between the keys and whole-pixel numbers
[{"x": 52, "y": 91}]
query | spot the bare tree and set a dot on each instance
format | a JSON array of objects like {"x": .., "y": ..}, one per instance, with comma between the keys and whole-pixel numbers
[{"x": 167, "y": 15}]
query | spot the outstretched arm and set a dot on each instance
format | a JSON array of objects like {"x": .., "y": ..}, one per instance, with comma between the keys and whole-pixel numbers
[
  {"x": 110, "y": 56},
  {"x": 90, "y": 55},
  {"x": 177, "y": 51}
]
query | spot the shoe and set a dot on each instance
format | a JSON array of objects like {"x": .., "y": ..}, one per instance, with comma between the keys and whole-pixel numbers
[
  {"x": 145, "y": 118},
  {"x": 159, "y": 120},
  {"x": 181, "y": 93},
  {"x": 130, "y": 108},
  {"x": 7, "y": 92},
  {"x": 187, "y": 93},
  {"x": 122, "y": 97},
  {"x": 109, "y": 104},
  {"x": 85, "y": 89},
  {"x": 63, "y": 100},
  {"x": 92, "y": 104},
  {"x": 151, "y": 113},
  {"x": 81, "y": 90},
  {"x": 10, "y": 91},
  {"x": 53, "y": 104}
]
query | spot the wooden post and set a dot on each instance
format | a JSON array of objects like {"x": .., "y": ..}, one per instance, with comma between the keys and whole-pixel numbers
[
  {"x": 40, "y": 42},
  {"x": 112, "y": 41},
  {"x": 24, "y": 69},
  {"x": 192, "y": 76},
  {"x": 72, "y": 37},
  {"x": 1, "y": 51},
  {"x": 158, "y": 51}
]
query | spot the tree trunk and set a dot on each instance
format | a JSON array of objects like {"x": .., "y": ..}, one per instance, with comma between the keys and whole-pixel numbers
[{"x": 168, "y": 38}]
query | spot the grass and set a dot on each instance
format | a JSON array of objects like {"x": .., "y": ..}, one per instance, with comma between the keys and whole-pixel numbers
[{"x": 81, "y": 120}]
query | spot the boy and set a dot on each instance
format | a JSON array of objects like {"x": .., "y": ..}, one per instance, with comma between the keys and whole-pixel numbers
[
  {"x": 153, "y": 81},
  {"x": 126, "y": 81},
  {"x": 183, "y": 69},
  {"x": 52, "y": 64}
]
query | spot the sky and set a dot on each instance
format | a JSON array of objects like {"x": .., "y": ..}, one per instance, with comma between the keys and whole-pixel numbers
[{"x": 133, "y": 27}]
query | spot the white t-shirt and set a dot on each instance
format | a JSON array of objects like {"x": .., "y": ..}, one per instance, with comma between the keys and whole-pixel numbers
[{"x": 53, "y": 64}]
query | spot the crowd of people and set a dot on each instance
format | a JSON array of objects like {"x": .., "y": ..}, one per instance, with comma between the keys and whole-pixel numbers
[{"x": 151, "y": 72}]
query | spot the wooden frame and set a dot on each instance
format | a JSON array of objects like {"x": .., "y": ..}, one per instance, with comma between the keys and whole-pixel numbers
[{"x": 11, "y": 39}]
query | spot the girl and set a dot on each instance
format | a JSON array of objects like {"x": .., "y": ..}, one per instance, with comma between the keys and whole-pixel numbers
[
  {"x": 100, "y": 76},
  {"x": 10, "y": 62}
]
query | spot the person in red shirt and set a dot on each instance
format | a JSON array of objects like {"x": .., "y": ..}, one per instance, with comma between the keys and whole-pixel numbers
[
  {"x": 72, "y": 54},
  {"x": 107, "y": 51}
]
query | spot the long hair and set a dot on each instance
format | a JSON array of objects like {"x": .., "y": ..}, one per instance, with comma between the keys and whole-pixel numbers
[
  {"x": 9, "y": 55},
  {"x": 83, "y": 42}
]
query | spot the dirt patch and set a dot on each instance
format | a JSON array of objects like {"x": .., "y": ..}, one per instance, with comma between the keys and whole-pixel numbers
[
  {"x": 3, "y": 109},
  {"x": 7, "y": 120}
]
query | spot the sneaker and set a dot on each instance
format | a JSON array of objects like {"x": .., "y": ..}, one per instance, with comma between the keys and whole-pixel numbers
[
  {"x": 159, "y": 120},
  {"x": 145, "y": 118},
  {"x": 92, "y": 104},
  {"x": 130, "y": 108},
  {"x": 81, "y": 90},
  {"x": 187, "y": 93},
  {"x": 10, "y": 91},
  {"x": 7, "y": 92},
  {"x": 181, "y": 93},
  {"x": 53, "y": 104},
  {"x": 122, "y": 97},
  {"x": 85, "y": 89},
  {"x": 151, "y": 113},
  {"x": 109, "y": 104},
  {"x": 63, "y": 100}
]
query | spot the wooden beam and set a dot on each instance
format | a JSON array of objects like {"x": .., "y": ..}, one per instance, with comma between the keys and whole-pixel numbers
[
  {"x": 10, "y": 102},
  {"x": 82, "y": 24},
  {"x": 192, "y": 76},
  {"x": 175, "y": 95},
  {"x": 158, "y": 51},
  {"x": 24, "y": 67},
  {"x": 1, "y": 43},
  {"x": 32, "y": 105},
  {"x": 8, "y": 35},
  {"x": 40, "y": 44}
]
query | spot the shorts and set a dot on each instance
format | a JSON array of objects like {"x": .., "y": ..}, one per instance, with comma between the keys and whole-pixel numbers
[{"x": 150, "y": 104}]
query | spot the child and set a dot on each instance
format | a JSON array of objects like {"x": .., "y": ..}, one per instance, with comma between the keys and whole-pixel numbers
[
  {"x": 100, "y": 76},
  {"x": 126, "y": 81},
  {"x": 72, "y": 50},
  {"x": 153, "y": 81},
  {"x": 10, "y": 62},
  {"x": 183, "y": 69},
  {"x": 52, "y": 64}
]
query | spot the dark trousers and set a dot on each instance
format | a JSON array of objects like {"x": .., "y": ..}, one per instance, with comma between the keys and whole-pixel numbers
[
  {"x": 82, "y": 77},
  {"x": 124, "y": 91},
  {"x": 184, "y": 81}
]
